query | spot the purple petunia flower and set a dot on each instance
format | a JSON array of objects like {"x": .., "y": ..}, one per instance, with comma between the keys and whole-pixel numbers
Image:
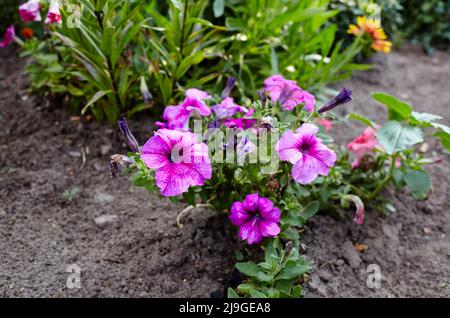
[
  {"x": 178, "y": 160},
  {"x": 306, "y": 152},
  {"x": 9, "y": 36},
  {"x": 288, "y": 93},
  {"x": 344, "y": 96},
  {"x": 228, "y": 108},
  {"x": 29, "y": 11},
  {"x": 256, "y": 218},
  {"x": 177, "y": 117}
]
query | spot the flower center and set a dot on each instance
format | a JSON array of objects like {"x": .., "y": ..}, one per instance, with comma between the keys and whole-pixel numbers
[
  {"x": 305, "y": 147},
  {"x": 177, "y": 156}
]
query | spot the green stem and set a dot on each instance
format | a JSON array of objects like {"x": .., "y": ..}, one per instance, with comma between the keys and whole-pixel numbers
[
  {"x": 386, "y": 180},
  {"x": 183, "y": 28}
]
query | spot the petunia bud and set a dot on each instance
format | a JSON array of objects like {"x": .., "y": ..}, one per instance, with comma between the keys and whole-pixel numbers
[
  {"x": 146, "y": 95},
  {"x": 263, "y": 97},
  {"x": 227, "y": 90},
  {"x": 118, "y": 162},
  {"x": 359, "y": 216},
  {"x": 10, "y": 35},
  {"x": 131, "y": 141},
  {"x": 343, "y": 97}
]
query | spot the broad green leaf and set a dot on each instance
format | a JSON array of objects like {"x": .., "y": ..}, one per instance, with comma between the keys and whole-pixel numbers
[
  {"x": 362, "y": 119},
  {"x": 94, "y": 98},
  {"x": 445, "y": 139},
  {"x": 293, "y": 270},
  {"x": 218, "y": 8},
  {"x": 419, "y": 183},
  {"x": 231, "y": 293},
  {"x": 310, "y": 210},
  {"x": 398, "y": 109},
  {"x": 442, "y": 127},
  {"x": 425, "y": 117},
  {"x": 257, "y": 294},
  {"x": 248, "y": 268},
  {"x": 395, "y": 137}
]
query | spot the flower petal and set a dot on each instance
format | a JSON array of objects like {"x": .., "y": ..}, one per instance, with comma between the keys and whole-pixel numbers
[
  {"x": 288, "y": 147},
  {"x": 268, "y": 228},
  {"x": 307, "y": 169},
  {"x": 251, "y": 202}
]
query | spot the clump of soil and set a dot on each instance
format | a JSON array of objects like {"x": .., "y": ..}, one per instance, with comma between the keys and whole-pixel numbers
[{"x": 55, "y": 184}]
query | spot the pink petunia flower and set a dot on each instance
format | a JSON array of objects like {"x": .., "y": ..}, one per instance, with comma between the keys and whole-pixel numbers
[
  {"x": 306, "y": 152},
  {"x": 256, "y": 218},
  {"x": 327, "y": 124},
  {"x": 362, "y": 145},
  {"x": 54, "y": 14},
  {"x": 288, "y": 93},
  {"x": 360, "y": 211},
  {"x": 29, "y": 11},
  {"x": 177, "y": 117},
  {"x": 228, "y": 108},
  {"x": 179, "y": 162},
  {"x": 8, "y": 37}
]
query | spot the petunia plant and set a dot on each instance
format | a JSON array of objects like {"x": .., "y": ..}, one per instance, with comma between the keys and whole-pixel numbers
[{"x": 271, "y": 167}]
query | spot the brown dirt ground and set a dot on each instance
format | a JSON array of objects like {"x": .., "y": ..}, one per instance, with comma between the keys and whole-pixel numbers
[{"x": 144, "y": 254}]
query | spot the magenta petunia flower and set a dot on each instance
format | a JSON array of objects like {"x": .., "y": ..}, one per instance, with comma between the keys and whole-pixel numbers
[
  {"x": 256, "y": 218},
  {"x": 228, "y": 108},
  {"x": 179, "y": 162},
  {"x": 243, "y": 123},
  {"x": 177, "y": 117},
  {"x": 288, "y": 93},
  {"x": 8, "y": 37},
  {"x": 306, "y": 152},
  {"x": 54, "y": 14},
  {"x": 29, "y": 11}
]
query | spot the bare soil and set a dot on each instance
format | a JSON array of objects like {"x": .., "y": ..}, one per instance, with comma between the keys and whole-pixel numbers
[{"x": 55, "y": 181}]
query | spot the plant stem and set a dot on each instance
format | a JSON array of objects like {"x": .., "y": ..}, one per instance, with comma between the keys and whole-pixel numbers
[
  {"x": 183, "y": 27},
  {"x": 385, "y": 181}
]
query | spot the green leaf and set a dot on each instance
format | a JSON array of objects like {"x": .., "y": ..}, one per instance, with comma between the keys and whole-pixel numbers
[
  {"x": 397, "y": 109},
  {"x": 419, "y": 183},
  {"x": 231, "y": 293},
  {"x": 94, "y": 98},
  {"x": 218, "y": 8},
  {"x": 445, "y": 139},
  {"x": 395, "y": 137},
  {"x": 257, "y": 294},
  {"x": 310, "y": 210},
  {"x": 425, "y": 117},
  {"x": 248, "y": 268},
  {"x": 442, "y": 127},
  {"x": 293, "y": 270},
  {"x": 362, "y": 119}
]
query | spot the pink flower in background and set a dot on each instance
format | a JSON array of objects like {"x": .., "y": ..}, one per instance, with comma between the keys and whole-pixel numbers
[
  {"x": 362, "y": 145},
  {"x": 29, "y": 11},
  {"x": 306, "y": 152},
  {"x": 256, "y": 218},
  {"x": 179, "y": 162},
  {"x": 177, "y": 117},
  {"x": 228, "y": 108},
  {"x": 53, "y": 15},
  {"x": 8, "y": 37},
  {"x": 327, "y": 124},
  {"x": 288, "y": 93}
]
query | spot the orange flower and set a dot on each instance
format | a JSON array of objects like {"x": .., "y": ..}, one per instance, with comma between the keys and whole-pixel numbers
[
  {"x": 27, "y": 33},
  {"x": 373, "y": 28}
]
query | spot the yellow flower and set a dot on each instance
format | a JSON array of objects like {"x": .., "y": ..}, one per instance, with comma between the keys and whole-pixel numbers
[{"x": 373, "y": 28}]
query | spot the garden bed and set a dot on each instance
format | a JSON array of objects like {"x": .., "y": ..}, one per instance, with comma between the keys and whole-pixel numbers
[{"x": 55, "y": 181}]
